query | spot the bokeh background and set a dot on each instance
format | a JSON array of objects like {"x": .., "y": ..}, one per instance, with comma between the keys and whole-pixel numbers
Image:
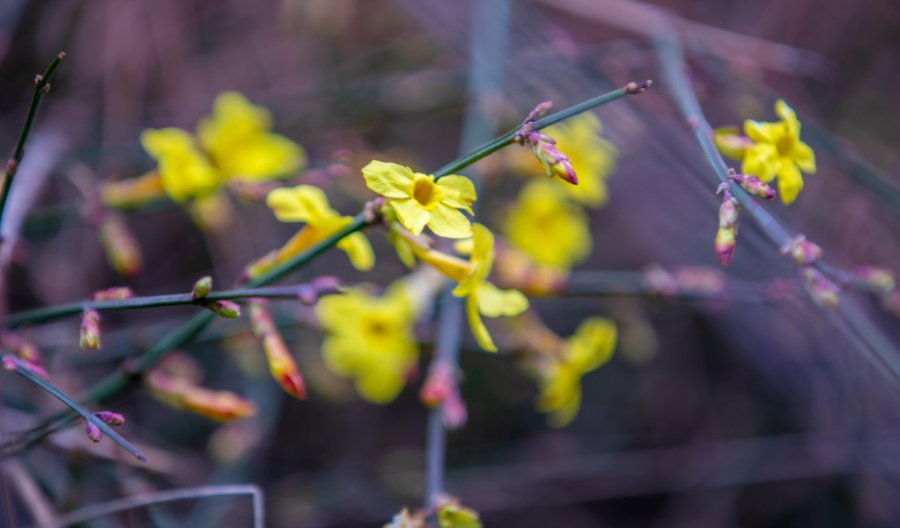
[{"x": 724, "y": 413}]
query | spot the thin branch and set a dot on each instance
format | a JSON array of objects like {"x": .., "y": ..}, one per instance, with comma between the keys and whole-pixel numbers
[
  {"x": 49, "y": 313},
  {"x": 144, "y": 500},
  {"x": 23, "y": 370},
  {"x": 41, "y": 86}
]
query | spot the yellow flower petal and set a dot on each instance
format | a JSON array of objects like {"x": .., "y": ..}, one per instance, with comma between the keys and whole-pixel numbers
[
  {"x": 266, "y": 157},
  {"x": 761, "y": 160},
  {"x": 184, "y": 171},
  {"x": 592, "y": 345},
  {"x": 382, "y": 382},
  {"x": 790, "y": 182},
  {"x": 358, "y": 250},
  {"x": 494, "y": 302},
  {"x": 459, "y": 192},
  {"x": 411, "y": 214},
  {"x": 804, "y": 157},
  {"x": 448, "y": 222},
  {"x": 762, "y": 132},
  {"x": 482, "y": 337},
  {"x": 389, "y": 179},
  {"x": 788, "y": 117},
  {"x": 303, "y": 203}
]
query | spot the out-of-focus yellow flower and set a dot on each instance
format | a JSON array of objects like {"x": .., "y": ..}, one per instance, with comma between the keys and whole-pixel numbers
[
  {"x": 778, "y": 151},
  {"x": 184, "y": 171},
  {"x": 235, "y": 142},
  {"x": 590, "y": 347},
  {"x": 482, "y": 297},
  {"x": 546, "y": 226},
  {"x": 370, "y": 339},
  {"x": 419, "y": 200},
  {"x": 308, "y": 204},
  {"x": 238, "y": 138},
  {"x": 592, "y": 157}
]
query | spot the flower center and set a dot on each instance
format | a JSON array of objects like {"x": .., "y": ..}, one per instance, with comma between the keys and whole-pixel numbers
[
  {"x": 785, "y": 145},
  {"x": 425, "y": 190}
]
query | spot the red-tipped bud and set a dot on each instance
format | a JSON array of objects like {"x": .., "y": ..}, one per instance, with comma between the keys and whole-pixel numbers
[
  {"x": 122, "y": 250},
  {"x": 802, "y": 251},
  {"x": 754, "y": 186},
  {"x": 820, "y": 288},
  {"x": 110, "y": 418},
  {"x": 90, "y": 329},
  {"x": 92, "y": 432},
  {"x": 202, "y": 287},
  {"x": 439, "y": 384},
  {"x": 724, "y": 245},
  {"x": 226, "y": 309},
  {"x": 281, "y": 364},
  {"x": 544, "y": 147}
]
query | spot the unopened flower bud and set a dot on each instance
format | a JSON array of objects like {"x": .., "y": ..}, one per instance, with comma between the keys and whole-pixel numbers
[
  {"x": 9, "y": 363},
  {"x": 226, "y": 309},
  {"x": 879, "y": 278},
  {"x": 754, "y": 185},
  {"x": 202, "y": 287},
  {"x": 454, "y": 411},
  {"x": 110, "y": 418},
  {"x": 724, "y": 245},
  {"x": 122, "y": 250},
  {"x": 544, "y": 147},
  {"x": 132, "y": 192},
  {"x": 802, "y": 251},
  {"x": 281, "y": 364},
  {"x": 731, "y": 142},
  {"x": 439, "y": 384},
  {"x": 92, "y": 432},
  {"x": 821, "y": 288},
  {"x": 90, "y": 329}
]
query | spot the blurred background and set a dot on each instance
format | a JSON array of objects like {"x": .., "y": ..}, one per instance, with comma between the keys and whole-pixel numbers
[{"x": 723, "y": 412}]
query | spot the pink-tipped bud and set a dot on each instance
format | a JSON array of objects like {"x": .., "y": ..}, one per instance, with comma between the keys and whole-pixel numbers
[
  {"x": 9, "y": 363},
  {"x": 454, "y": 412},
  {"x": 90, "y": 330},
  {"x": 202, "y": 287},
  {"x": 724, "y": 245},
  {"x": 113, "y": 294},
  {"x": 728, "y": 212},
  {"x": 802, "y": 251},
  {"x": 122, "y": 250},
  {"x": 226, "y": 309},
  {"x": 754, "y": 186},
  {"x": 92, "y": 432},
  {"x": 110, "y": 418},
  {"x": 544, "y": 147},
  {"x": 439, "y": 384},
  {"x": 821, "y": 288},
  {"x": 879, "y": 278}
]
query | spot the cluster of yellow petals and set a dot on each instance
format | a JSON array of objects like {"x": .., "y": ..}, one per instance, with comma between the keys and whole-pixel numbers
[
  {"x": 309, "y": 204},
  {"x": 548, "y": 227},
  {"x": 421, "y": 200},
  {"x": 589, "y": 348},
  {"x": 234, "y": 142},
  {"x": 370, "y": 339}
]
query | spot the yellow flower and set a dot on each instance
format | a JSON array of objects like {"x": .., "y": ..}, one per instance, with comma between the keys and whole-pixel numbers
[
  {"x": 308, "y": 204},
  {"x": 590, "y": 347},
  {"x": 547, "y": 227},
  {"x": 184, "y": 171},
  {"x": 237, "y": 138},
  {"x": 370, "y": 339},
  {"x": 592, "y": 157},
  {"x": 482, "y": 297},
  {"x": 419, "y": 200},
  {"x": 235, "y": 142},
  {"x": 778, "y": 151}
]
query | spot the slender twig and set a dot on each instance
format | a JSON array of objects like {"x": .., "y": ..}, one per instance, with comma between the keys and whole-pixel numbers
[
  {"x": 23, "y": 370},
  {"x": 143, "y": 500},
  {"x": 636, "y": 283},
  {"x": 154, "y": 301},
  {"x": 41, "y": 86},
  {"x": 507, "y": 139}
]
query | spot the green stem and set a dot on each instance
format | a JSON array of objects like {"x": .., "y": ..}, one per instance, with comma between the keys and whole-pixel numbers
[
  {"x": 507, "y": 139},
  {"x": 23, "y": 370},
  {"x": 153, "y": 301},
  {"x": 41, "y": 86}
]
